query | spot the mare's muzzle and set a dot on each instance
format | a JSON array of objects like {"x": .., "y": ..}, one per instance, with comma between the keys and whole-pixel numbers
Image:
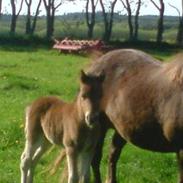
[{"x": 92, "y": 118}]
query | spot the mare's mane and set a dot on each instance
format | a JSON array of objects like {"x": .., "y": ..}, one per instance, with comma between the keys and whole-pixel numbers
[{"x": 174, "y": 69}]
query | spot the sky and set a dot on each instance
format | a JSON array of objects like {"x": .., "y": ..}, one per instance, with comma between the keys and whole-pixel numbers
[{"x": 147, "y": 9}]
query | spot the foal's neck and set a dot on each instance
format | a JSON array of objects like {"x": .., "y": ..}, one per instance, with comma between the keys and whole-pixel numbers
[{"x": 75, "y": 109}]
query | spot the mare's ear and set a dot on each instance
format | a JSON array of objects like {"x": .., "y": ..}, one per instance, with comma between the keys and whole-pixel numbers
[
  {"x": 84, "y": 78},
  {"x": 102, "y": 76}
]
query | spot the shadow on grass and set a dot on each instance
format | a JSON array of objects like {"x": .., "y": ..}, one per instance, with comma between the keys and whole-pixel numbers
[
  {"x": 18, "y": 82},
  {"x": 20, "y": 43},
  {"x": 8, "y": 66},
  {"x": 148, "y": 46}
]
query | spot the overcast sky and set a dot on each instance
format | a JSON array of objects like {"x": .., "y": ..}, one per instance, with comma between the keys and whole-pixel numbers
[{"x": 79, "y": 6}]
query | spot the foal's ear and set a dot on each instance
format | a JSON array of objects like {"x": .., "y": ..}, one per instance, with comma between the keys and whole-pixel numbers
[{"x": 84, "y": 78}]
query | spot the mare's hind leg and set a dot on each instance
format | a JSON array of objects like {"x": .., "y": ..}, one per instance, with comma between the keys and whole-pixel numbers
[
  {"x": 180, "y": 163},
  {"x": 98, "y": 156},
  {"x": 115, "y": 150}
]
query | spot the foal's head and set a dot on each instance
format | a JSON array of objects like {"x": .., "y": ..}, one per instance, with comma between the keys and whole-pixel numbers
[{"x": 90, "y": 96}]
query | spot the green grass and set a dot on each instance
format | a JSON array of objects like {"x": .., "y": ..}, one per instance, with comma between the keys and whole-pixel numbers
[{"x": 26, "y": 74}]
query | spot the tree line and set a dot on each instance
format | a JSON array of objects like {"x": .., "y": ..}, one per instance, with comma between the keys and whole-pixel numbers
[{"x": 131, "y": 7}]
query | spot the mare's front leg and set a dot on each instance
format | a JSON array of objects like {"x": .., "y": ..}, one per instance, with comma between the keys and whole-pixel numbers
[
  {"x": 98, "y": 156},
  {"x": 115, "y": 150},
  {"x": 85, "y": 159},
  {"x": 180, "y": 164}
]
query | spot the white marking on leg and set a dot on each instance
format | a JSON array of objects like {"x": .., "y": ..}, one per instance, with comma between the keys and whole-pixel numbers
[
  {"x": 25, "y": 162},
  {"x": 72, "y": 166}
]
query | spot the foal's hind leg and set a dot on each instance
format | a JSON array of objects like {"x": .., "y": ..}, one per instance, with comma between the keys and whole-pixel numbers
[
  {"x": 25, "y": 164},
  {"x": 29, "y": 158},
  {"x": 43, "y": 146},
  {"x": 180, "y": 163},
  {"x": 115, "y": 150},
  {"x": 26, "y": 161}
]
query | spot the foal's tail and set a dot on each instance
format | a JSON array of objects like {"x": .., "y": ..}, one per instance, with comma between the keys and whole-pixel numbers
[{"x": 33, "y": 115}]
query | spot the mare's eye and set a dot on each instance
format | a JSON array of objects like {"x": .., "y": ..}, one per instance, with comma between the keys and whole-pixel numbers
[{"x": 85, "y": 95}]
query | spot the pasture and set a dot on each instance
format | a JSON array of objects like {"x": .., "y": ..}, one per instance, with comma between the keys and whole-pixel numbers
[{"x": 26, "y": 74}]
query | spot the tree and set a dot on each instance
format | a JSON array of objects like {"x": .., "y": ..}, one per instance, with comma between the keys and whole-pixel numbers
[
  {"x": 160, "y": 28},
  {"x": 28, "y": 21},
  {"x": 136, "y": 29},
  {"x": 133, "y": 28},
  {"x": 179, "y": 38},
  {"x": 127, "y": 6},
  {"x": 90, "y": 17},
  {"x": 31, "y": 24},
  {"x": 1, "y": 7},
  {"x": 108, "y": 19},
  {"x": 15, "y": 14},
  {"x": 51, "y": 8}
]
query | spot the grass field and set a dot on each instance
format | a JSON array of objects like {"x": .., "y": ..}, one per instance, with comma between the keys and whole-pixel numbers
[{"x": 27, "y": 73}]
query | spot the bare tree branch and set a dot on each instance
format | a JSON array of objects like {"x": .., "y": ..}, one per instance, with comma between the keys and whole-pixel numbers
[
  {"x": 155, "y": 4},
  {"x": 50, "y": 15},
  {"x": 21, "y": 5},
  {"x": 124, "y": 4},
  {"x": 96, "y": 3},
  {"x": 57, "y": 6},
  {"x": 27, "y": 3},
  {"x": 108, "y": 19},
  {"x": 160, "y": 28},
  {"x": 45, "y": 3},
  {"x": 174, "y": 7},
  {"x": 35, "y": 17}
]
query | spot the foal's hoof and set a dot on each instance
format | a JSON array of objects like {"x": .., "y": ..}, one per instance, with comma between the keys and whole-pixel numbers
[{"x": 110, "y": 181}]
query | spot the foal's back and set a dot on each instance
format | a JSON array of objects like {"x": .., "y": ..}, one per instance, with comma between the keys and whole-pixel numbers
[{"x": 44, "y": 116}]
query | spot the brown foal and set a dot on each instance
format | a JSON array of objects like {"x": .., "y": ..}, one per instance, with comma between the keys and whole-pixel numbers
[{"x": 73, "y": 125}]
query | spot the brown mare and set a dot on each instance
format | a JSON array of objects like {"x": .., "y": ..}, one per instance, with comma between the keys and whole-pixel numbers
[
  {"x": 143, "y": 101},
  {"x": 74, "y": 125},
  {"x": 115, "y": 64}
]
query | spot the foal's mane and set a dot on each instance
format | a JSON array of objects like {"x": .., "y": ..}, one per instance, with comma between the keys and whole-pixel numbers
[{"x": 174, "y": 69}]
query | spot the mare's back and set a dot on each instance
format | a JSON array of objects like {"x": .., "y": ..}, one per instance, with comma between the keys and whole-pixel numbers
[
  {"x": 116, "y": 62},
  {"x": 120, "y": 64}
]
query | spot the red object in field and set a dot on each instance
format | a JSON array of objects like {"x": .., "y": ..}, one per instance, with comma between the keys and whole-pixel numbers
[{"x": 67, "y": 45}]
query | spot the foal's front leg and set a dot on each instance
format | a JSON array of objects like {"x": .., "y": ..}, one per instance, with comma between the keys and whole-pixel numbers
[
  {"x": 115, "y": 150},
  {"x": 72, "y": 157},
  {"x": 180, "y": 163}
]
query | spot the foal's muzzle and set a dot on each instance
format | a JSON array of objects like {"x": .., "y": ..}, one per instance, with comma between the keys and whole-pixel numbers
[{"x": 92, "y": 118}]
